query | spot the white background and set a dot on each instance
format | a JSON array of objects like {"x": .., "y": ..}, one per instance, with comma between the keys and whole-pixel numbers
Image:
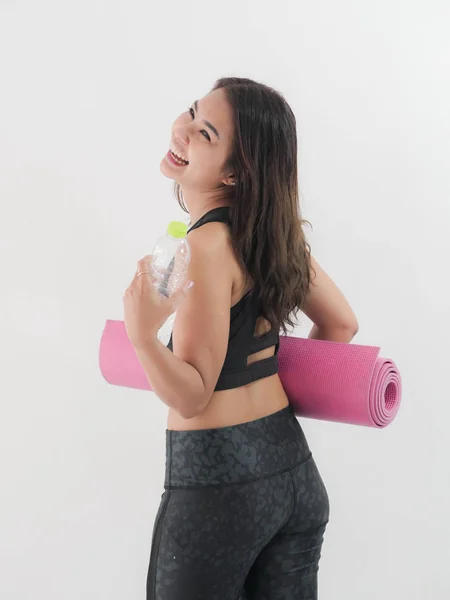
[{"x": 88, "y": 92}]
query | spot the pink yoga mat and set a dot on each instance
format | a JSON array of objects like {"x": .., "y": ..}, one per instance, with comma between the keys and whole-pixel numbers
[{"x": 331, "y": 381}]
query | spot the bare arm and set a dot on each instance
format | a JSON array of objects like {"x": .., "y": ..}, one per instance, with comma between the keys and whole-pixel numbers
[
  {"x": 326, "y": 306},
  {"x": 185, "y": 379}
]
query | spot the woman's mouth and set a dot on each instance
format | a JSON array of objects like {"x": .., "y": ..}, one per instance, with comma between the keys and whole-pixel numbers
[{"x": 176, "y": 160}]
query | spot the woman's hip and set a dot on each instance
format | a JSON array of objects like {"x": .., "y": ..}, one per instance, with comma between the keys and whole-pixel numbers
[{"x": 235, "y": 454}]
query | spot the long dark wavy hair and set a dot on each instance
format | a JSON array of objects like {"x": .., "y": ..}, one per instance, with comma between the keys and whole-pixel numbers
[{"x": 266, "y": 224}]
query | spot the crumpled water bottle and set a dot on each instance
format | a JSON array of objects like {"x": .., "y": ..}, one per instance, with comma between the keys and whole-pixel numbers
[{"x": 170, "y": 260}]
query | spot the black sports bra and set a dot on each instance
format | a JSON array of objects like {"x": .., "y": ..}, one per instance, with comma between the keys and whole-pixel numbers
[{"x": 242, "y": 341}]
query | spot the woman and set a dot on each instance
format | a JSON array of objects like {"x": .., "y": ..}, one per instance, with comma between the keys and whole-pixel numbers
[{"x": 244, "y": 508}]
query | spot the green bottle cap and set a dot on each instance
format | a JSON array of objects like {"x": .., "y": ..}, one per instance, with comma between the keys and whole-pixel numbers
[{"x": 177, "y": 229}]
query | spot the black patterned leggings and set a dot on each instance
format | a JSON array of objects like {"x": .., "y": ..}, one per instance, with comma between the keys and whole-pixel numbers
[{"x": 242, "y": 515}]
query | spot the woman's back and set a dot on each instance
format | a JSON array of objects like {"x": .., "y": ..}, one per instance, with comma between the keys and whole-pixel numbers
[{"x": 250, "y": 401}]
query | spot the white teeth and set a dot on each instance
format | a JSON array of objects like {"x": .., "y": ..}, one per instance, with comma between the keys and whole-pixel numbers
[{"x": 179, "y": 155}]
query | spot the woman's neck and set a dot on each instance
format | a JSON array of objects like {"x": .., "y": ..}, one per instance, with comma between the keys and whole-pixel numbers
[{"x": 200, "y": 204}]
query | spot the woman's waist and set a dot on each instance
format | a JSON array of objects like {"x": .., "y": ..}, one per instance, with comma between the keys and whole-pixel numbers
[
  {"x": 235, "y": 406},
  {"x": 237, "y": 453}
]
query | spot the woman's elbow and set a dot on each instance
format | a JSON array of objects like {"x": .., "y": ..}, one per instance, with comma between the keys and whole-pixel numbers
[
  {"x": 189, "y": 410},
  {"x": 354, "y": 327},
  {"x": 351, "y": 328}
]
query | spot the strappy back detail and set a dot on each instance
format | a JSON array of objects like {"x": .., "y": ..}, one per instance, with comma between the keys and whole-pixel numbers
[{"x": 243, "y": 342}]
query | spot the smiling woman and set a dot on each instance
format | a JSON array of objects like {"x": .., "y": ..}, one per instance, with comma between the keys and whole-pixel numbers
[
  {"x": 244, "y": 507},
  {"x": 200, "y": 144}
]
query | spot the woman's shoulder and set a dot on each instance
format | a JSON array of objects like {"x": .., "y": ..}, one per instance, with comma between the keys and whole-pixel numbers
[
  {"x": 212, "y": 241},
  {"x": 211, "y": 234}
]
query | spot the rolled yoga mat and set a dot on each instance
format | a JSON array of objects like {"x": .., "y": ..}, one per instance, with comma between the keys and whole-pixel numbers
[{"x": 330, "y": 381}]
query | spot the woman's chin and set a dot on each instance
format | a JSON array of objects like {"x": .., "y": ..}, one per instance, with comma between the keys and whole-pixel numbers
[{"x": 166, "y": 170}]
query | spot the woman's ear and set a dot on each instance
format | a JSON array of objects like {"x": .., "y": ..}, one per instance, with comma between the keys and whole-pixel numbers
[{"x": 230, "y": 180}]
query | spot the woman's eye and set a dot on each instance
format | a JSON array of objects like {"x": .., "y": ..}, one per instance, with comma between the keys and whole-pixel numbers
[{"x": 202, "y": 131}]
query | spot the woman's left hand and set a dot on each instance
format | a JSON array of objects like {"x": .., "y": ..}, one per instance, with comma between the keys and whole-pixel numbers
[{"x": 145, "y": 310}]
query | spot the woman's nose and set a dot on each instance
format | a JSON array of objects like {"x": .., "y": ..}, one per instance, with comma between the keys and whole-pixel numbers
[
  {"x": 182, "y": 133},
  {"x": 182, "y": 140}
]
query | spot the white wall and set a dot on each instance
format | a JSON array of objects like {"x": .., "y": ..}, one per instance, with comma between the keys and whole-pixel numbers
[{"x": 88, "y": 91}]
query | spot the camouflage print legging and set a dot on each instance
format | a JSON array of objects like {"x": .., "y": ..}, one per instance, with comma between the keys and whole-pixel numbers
[{"x": 242, "y": 516}]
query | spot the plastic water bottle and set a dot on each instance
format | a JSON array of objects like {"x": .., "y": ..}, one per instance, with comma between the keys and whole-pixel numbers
[{"x": 170, "y": 259}]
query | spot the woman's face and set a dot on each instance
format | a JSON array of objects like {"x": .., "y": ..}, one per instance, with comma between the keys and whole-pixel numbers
[{"x": 202, "y": 139}]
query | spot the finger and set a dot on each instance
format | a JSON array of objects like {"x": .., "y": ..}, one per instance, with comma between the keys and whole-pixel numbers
[
  {"x": 143, "y": 270},
  {"x": 145, "y": 263}
]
